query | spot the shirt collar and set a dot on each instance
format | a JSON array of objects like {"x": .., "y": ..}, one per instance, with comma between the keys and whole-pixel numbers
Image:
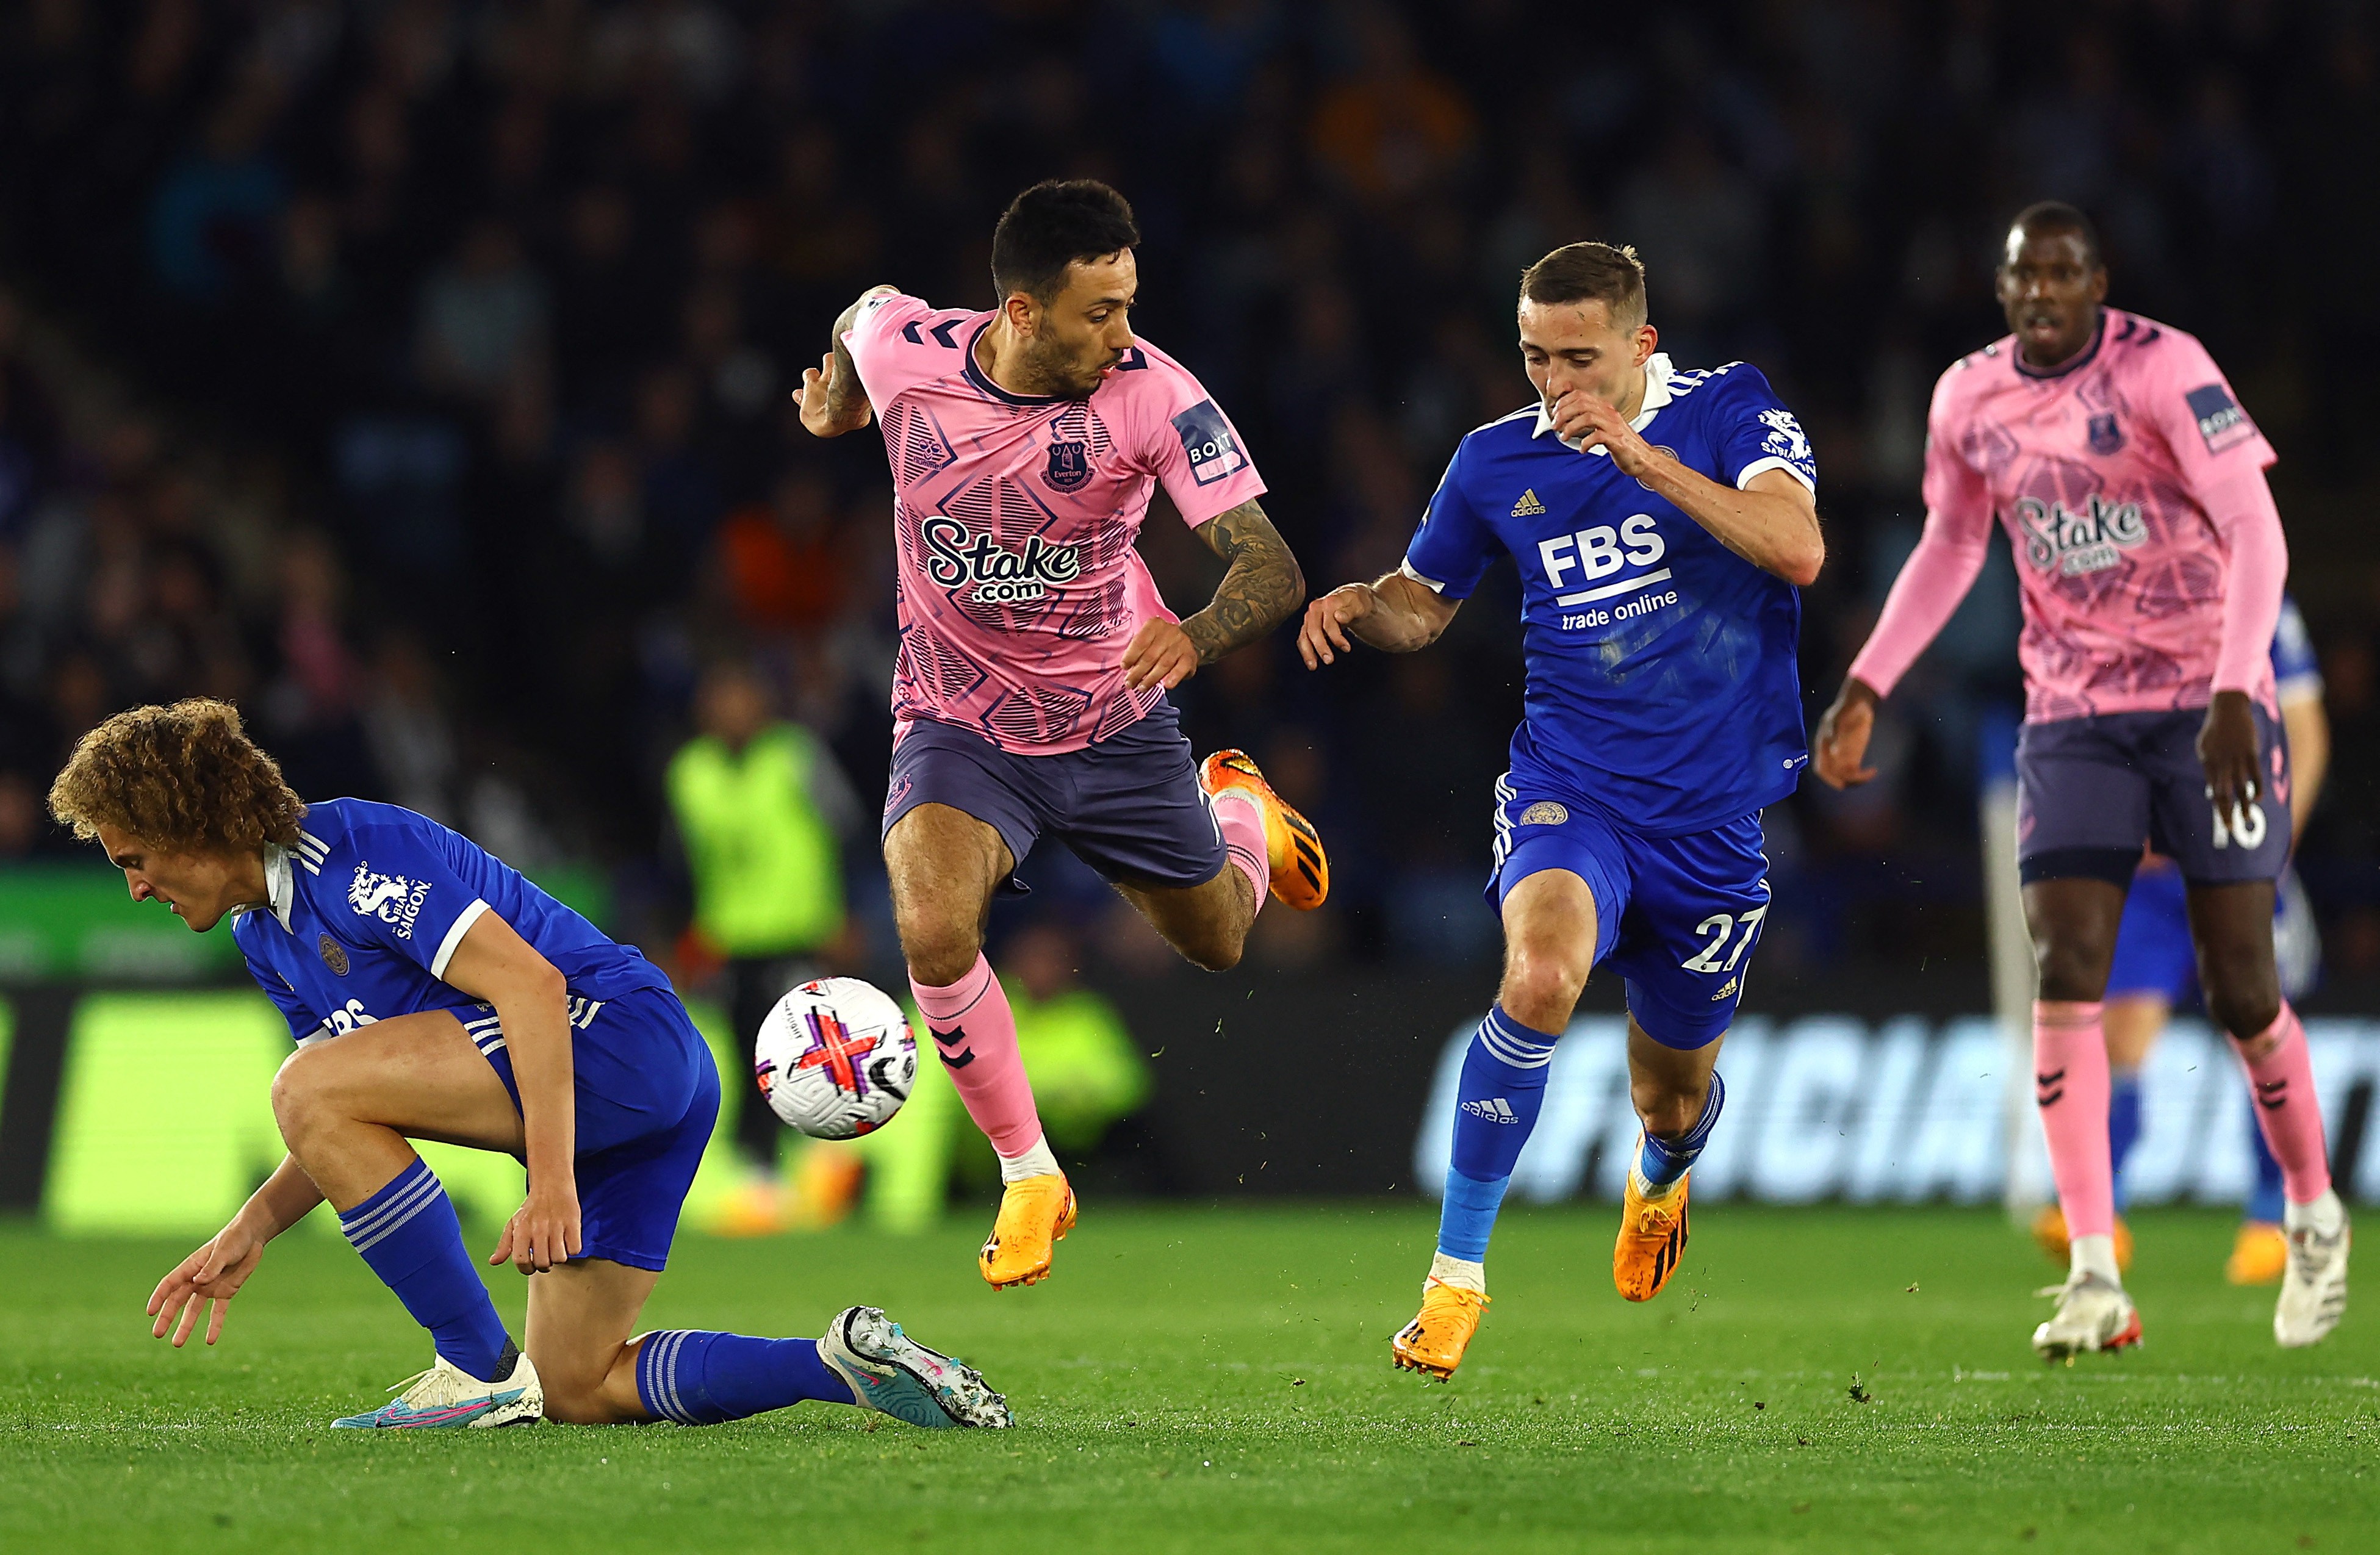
[
  {"x": 280, "y": 885},
  {"x": 1656, "y": 394}
]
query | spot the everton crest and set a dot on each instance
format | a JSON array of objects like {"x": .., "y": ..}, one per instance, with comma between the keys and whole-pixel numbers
[
  {"x": 1070, "y": 466},
  {"x": 2106, "y": 436}
]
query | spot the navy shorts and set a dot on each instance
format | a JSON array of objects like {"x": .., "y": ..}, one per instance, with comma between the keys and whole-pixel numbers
[
  {"x": 1129, "y": 805},
  {"x": 648, "y": 1099},
  {"x": 2092, "y": 791},
  {"x": 1678, "y": 916}
]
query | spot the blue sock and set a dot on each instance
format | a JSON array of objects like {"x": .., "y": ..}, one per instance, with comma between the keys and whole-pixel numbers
[
  {"x": 1503, "y": 1088},
  {"x": 1663, "y": 1162},
  {"x": 408, "y": 1235},
  {"x": 699, "y": 1378},
  {"x": 2124, "y": 1123},
  {"x": 2264, "y": 1202}
]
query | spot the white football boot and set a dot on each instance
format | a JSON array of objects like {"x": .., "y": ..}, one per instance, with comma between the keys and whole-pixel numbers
[
  {"x": 446, "y": 1395},
  {"x": 890, "y": 1372},
  {"x": 2314, "y": 1289},
  {"x": 2094, "y": 1314}
]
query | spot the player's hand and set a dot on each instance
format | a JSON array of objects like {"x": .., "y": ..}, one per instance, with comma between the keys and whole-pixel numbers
[
  {"x": 1322, "y": 635},
  {"x": 2227, "y": 747},
  {"x": 818, "y": 397},
  {"x": 543, "y": 1232},
  {"x": 1161, "y": 654},
  {"x": 1843, "y": 734},
  {"x": 1592, "y": 422},
  {"x": 205, "y": 1281}
]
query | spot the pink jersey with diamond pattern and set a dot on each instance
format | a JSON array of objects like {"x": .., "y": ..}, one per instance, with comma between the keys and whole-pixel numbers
[
  {"x": 2100, "y": 473},
  {"x": 1014, "y": 520}
]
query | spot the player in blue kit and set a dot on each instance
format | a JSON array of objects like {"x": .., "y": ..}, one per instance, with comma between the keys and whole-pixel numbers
[
  {"x": 436, "y": 994},
  {"x": 2155, "y": 972},
  {"x": 1662, "y": 521}
]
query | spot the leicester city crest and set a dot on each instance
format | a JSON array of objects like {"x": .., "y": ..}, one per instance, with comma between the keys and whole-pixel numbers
[
  {"x": 1070, "y": 466},
  {"x": 2106, "y": 436},
  {"x": 1544, "y": 812},
  {"x": 334, "y": 955}
]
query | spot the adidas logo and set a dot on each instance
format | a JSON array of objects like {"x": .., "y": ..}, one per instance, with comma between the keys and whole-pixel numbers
[
  {"x": 1528, "y": 506},
  {"x": 1724, "y": 989},
  {"x": 1494, "y": 1109}
]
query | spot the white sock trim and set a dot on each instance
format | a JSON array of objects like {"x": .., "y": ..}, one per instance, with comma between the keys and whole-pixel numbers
[
  {"x": 1462, "y": 1273},
  {"x": 1035, "y": 1162},
  {"x": 2095, "y": 1254}
]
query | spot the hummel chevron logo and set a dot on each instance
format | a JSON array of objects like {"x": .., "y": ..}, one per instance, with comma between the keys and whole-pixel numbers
[
  {"x": 956, "y": 1055},
  {"x": 2049, "y": 1087},
  {"x": 1494, "y": 1109},
  {"x": 2271, "y": 1095},
  {"x": 1528, "y": 506}
]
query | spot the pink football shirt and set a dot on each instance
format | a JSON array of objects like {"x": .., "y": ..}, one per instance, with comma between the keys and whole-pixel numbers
[
  {"x": 1014, "y": 520},
  {"x": 2110, "y": 477}
]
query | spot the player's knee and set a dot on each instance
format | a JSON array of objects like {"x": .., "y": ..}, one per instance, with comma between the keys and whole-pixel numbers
[
  {"x": 1667, "y": 1107},
  {"x": 2071, "y": 968},
  {"x": 300, "y": 1098},
  {"x": 1541, "y": 987},
  {"x": 2246, "y": 1008},
  {"x": 940, "y": 947}
]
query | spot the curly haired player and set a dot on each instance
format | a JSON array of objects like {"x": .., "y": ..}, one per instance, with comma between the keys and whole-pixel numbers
[{"x": 436, "y": 994}]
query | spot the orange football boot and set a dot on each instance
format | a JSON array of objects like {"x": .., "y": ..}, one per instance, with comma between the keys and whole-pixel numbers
[
  {"x": 2049, "y": 1236},
  {"x": 1035, "y": 1213},
  {"x": 1301, "y": 870},
  {"x": 1652, "y": 1239},
  {"x": 2260, "y": 1254},
  {"x": 1434, "y": 1341}
]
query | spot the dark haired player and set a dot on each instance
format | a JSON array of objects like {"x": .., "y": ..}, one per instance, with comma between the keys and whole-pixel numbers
[
  {"x": 1028, "y": 701},
  {"x": 1662, "y": 521},
  {"x": 2152, "y": 562},
  {"x": 436, "y": 994}
]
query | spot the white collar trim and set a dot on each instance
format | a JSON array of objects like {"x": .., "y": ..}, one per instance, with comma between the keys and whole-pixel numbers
[
  {"x": 280, "y": 885},
  {"x": 1656, "y": 394}
]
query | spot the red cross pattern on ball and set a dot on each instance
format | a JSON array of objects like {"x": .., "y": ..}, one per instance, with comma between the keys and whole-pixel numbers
[{"x": 833, "y": 1046}]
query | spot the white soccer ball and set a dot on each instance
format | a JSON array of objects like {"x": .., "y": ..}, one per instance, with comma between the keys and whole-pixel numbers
[{"x": 836, "y": 1058}]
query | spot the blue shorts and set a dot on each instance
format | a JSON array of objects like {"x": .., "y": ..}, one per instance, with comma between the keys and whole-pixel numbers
[
  {"x": 2153, "y": 953},
  {"x": 1678, "y": 916},
  {"x": 647, "y": 1096},
  {"x": 1129, "y": 805}
]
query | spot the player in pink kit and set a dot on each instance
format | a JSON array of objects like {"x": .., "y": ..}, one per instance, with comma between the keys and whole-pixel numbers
[
  {"x": 2132, "y": 485},
  {"x": 1026, "y": 443}
]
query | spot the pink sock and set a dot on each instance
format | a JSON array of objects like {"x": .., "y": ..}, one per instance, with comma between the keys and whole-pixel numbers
[
  {"x": 2069, "y": 1076},
  {"x": 1240, "y": 820},
  {"x": 2288, "y": 1110},
  {"x": 976, "y": 1032}
]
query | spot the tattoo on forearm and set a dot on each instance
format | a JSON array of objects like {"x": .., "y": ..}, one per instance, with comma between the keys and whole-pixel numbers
[
  {"x": 1259, "y": 592},
  {"x": 847, "y": 390}
]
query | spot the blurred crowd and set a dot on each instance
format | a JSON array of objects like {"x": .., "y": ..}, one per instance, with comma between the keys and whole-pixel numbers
[{"x": 463, "y": 331}]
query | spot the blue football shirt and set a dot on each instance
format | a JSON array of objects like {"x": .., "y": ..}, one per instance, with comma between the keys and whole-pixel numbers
[
  {"x": 2297, "y": 673},
  {"x": 368, "y": 909},
  {"x": 1662, "y": 684}
]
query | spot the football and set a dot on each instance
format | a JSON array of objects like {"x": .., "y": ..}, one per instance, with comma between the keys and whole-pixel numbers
[{"x": 836, "y": 1058}]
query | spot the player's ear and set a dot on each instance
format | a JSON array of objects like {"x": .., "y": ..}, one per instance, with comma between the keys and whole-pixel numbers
[
  {"x": 1022, "y": 312},
  {"x": 1647, "y": 338}
]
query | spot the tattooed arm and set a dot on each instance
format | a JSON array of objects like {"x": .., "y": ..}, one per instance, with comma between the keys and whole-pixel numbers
[
  {"x": 833, "y": 400},
  {"x": 1260, "y": 589}
]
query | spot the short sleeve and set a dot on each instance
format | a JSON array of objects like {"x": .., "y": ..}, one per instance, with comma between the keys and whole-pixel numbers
[
  {"x": 1454, "y": 547},
  {"x": 2297, "y": 673},
  {"x": 881, "y": 351},
  {"x": 304, "y": 1025},
  {"x": 1754, "y": 432},
  {"x": 2191, "y": 401},
  {"x": 1953, "y": 488},
  {"x": 1186, "y": 441},
  {"x": 402, "y": 893}
]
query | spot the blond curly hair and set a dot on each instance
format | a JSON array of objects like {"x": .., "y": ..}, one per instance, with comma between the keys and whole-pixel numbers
[{"x": 184, "y": 778}]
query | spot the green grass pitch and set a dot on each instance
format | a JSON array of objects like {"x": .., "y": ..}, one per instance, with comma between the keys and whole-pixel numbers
[{"x": 1218, "y": 1379}]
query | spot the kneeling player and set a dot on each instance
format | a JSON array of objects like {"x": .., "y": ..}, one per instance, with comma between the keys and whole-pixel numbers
[
  {"x": 1661, "y": 520},
  {"x": 436, "y": 994}
]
